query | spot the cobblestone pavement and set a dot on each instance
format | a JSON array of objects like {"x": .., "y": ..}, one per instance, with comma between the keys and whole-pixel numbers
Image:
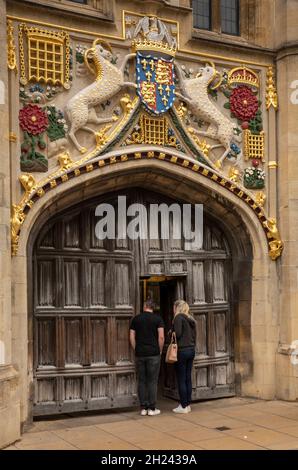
[{"x": 231, "y": 423}]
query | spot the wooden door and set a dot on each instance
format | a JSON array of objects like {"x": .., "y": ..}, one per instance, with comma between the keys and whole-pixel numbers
[
  {"x": 84, "y": 301},
  {"x": 85, "y": 293},
  {"x": 209, "y": 296}
]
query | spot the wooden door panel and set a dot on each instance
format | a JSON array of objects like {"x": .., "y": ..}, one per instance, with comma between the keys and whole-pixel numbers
[
  {"x": 212, "y": 380},
  {"x": 220, "y": 332},
  {"x": 46, "y": 341},
  {"x": 99, "y": 341},
  {"x": 72, "y": 232},
  {"x": 125, "y": 384},
  {"x": 73, "y": 330},
  {"x": 95, "y": 242},
  {"x": 99, "y": 387},
  {"x": 202, "y": 334},
  {"x": 97, "y": 283},
  {"x": 221, "y": 375},
  {"x": 46, "y": 292},
  {"x": 122, "y": 285},
  {"x": 73, "y": 389},
  {"x": 123, "y": 349},
  {"x": 198, "y": 282},
  {"x": 72, "y": 283},
  {"x": 49, "y": 238},
  {"x": 45, "y": 391},
  {"x": 219, "y": 282}
]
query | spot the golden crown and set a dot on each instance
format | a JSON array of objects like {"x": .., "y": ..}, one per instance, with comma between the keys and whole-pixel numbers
[
  {"x": 153, "y": 46},
  {"x": 243, "y": 75}
]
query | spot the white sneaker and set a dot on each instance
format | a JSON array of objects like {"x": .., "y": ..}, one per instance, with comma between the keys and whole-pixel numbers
[
  {"x": 188, "y": 409},
  {"x": 153, "y": 412},
  {"x": 181, "y": 410},
  {"x": 144, "y": 412}
]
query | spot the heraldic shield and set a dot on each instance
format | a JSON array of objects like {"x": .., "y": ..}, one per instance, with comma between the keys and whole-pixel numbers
[{"x": 156, "y": 82}]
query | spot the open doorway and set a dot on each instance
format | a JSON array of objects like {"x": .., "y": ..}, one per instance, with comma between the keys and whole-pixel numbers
[{"x": 164, "y": 291}]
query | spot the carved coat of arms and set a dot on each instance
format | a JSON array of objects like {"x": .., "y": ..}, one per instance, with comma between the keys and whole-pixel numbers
[
  {"x": 155, "y": 48},
  {"x": 156, "y": 82}
]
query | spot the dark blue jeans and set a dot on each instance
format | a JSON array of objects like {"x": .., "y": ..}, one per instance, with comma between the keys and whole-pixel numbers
[
  {"x": 183, "y": 371},
  {"x": 148, "y": 372}
]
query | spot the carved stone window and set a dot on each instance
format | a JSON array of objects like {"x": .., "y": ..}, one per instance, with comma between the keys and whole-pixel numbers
[
  {"x": 95, "y": 8},
  {"x": 222, "y": 16},
  {"x": 230, "y": 17},
  {"x": 202, "y": 14}
]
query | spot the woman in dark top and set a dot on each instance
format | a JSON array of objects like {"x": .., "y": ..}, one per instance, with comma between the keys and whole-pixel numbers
[{"x": 184, "y": 326}]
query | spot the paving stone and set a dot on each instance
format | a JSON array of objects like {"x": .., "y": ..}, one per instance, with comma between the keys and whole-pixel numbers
[
  {"x": 228, "y": 443},
  {"x": 250, "y": 424}
]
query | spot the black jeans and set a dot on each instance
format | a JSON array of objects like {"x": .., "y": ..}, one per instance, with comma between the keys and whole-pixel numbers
[
  {"x": 183, "y": 370},
  {"x": 148, "y": 372}
]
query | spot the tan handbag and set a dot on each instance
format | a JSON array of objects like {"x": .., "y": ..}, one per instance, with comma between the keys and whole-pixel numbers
[{"x": 172, "y": 350}]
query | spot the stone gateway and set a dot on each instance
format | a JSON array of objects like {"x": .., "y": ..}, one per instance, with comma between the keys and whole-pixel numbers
[{"x": 172, "y": 104}]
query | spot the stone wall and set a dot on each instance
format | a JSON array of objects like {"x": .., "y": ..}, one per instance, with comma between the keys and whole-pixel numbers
[
  {"x": 286, "y": 39},
  {"x": 9, "y": 393}
]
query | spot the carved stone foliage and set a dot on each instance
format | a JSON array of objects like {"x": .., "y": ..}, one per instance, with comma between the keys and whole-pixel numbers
[{"x": 37, "y": 123}]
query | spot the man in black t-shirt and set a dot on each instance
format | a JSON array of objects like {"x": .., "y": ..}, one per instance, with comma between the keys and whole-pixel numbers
[{"x": 147, "y": 340}]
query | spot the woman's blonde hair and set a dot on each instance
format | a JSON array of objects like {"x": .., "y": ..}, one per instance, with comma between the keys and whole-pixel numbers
[{"x": 180, "y": 306}]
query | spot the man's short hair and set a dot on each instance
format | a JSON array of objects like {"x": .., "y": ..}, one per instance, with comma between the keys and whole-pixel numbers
[{"x": 149, "y": 304}]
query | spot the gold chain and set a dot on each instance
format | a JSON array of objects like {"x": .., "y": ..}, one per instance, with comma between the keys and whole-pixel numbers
[
  {"x": 23, "y": 79},
  {"x": 67, "y": 61}
]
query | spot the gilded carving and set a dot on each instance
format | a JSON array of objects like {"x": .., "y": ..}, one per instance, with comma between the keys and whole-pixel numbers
[
  {"x": 234, "y": 174},
  {"x": 275, "y": 243},
  {"x": 17, "y": 220},
  {"x": 18, "y": 216},
  {"x": 271, "y": 93},
  {"x": 202, "y": 144},
  {"x": 101, "y": 136},
  {"x": 13, "y": 137},
  {"x": 65, "y": 161},
  {"x": 11, "y": 48},
  {"x": 28, "y": 182},
  {"x": 254, "y": 145},
  {"x": 260, "y": 198},
  {"x": 243, "y": 76},
  {"x": 48, "y": 56},
  {"x": 153, "y": 130}
]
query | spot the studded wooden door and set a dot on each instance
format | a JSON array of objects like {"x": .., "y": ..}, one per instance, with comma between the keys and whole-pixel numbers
[{"x": 87, "y": 290}]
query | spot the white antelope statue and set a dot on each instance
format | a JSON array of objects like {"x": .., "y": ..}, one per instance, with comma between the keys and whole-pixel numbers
[
  {"x": 195, "y": 95},
  {"x": 109, "y": 80}
]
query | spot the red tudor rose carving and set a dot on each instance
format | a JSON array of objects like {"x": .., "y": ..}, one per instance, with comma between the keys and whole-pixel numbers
[
  {"x": 244, "y": 104},
  {"x": 33, "y": 120}
]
